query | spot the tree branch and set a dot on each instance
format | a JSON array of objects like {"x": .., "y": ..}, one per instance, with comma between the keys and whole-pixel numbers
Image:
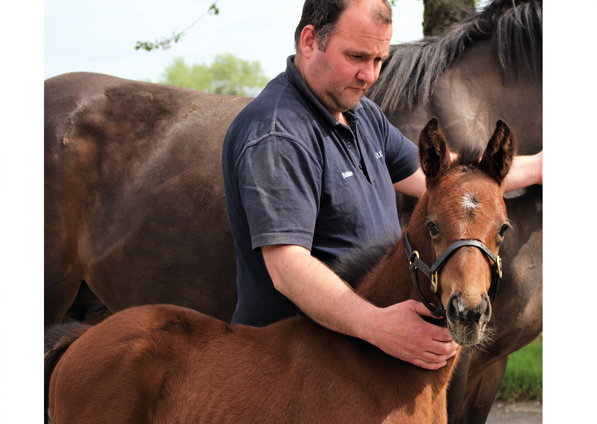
[{"x": 165, "y": 43}]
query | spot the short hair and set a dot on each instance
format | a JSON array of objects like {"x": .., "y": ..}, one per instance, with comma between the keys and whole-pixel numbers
[{"x": 324, "y": 15}]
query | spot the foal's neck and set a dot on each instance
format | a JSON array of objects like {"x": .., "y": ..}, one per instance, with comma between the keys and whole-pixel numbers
[{"x": 390, "y": 281}]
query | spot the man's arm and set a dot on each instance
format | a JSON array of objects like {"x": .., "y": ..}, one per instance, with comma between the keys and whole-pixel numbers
[
  {"x": 398, "y": 330},
  {"x": 525, "y": 171}
]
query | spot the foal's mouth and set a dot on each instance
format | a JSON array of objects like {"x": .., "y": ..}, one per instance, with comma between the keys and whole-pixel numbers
[{"x": 467, "y": 335}]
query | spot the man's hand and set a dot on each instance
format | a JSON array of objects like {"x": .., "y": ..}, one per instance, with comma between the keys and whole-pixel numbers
[{"x": 400, "y": 331}]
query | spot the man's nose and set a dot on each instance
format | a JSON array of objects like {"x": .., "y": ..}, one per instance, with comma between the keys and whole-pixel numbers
[{"x": 368, "y": 73}]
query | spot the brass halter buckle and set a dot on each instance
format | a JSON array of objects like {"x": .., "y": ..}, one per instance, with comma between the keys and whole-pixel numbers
[
  {"x": 498, "y": 264},
  {"x": 434, "y": 281},
  {"x": 417, "y": 255}
]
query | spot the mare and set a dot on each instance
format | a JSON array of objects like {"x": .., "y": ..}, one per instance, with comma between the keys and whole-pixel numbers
[
  {"x": 165, "y": 363},
  {"x": 485, "y": 68},
  {"x": 134, "y": 197}
]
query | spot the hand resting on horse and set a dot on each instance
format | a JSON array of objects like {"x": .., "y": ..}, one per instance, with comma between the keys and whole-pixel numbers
[
  {"x": 525, "y": 171},
  {"x": 398, "y": 330}
]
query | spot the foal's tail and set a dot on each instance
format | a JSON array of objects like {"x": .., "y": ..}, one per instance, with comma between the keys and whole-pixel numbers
[{"x": 57, "y": 340}]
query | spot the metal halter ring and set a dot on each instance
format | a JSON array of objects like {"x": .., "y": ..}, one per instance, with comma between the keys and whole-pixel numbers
[{"x": 434, "y": 281}]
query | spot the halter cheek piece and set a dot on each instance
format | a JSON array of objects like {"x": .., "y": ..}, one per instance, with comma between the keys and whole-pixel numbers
[{"x": 433, "y": 272}]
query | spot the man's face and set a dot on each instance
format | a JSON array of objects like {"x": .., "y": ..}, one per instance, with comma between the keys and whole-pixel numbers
[{"x": 342, "y": 74}]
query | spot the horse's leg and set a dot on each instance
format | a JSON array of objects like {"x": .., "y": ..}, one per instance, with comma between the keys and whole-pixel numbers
[
  {"x": 457, "y": 387},
  {"x": 59, "y": 296},
  {"x": 87, "y": 307},
  {"x": 481, "y": 390}
]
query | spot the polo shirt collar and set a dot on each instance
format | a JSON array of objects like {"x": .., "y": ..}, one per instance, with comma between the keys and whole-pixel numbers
[{"x": 296, "y": 79}]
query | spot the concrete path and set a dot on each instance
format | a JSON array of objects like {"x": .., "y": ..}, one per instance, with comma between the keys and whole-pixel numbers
[{"x": 516, "y": 413}]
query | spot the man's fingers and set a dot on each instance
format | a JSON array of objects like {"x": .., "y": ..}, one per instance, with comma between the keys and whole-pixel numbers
[{"x": 430, "y": 365}]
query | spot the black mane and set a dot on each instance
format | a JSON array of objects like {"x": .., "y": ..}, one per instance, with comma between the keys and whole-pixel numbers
[
  {"x": 354, "y": 266},
  {"x": 514, "y": 27}
]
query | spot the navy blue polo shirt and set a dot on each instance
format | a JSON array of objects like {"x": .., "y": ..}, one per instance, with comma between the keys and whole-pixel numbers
[{"x": 295, "y": 175}]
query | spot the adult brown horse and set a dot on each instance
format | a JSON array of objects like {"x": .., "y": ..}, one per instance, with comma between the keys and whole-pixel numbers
[
  {"x": 134, "y": 203},
  {"x": 486, "y": 68},
  {"x": 134, "y": 197},
  {"x": 164, "y": 363}
]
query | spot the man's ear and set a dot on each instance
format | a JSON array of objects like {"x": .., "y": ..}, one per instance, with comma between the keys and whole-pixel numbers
[{"x": 308, "y": 43}]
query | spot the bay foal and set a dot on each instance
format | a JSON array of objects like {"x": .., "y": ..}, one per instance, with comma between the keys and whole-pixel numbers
[{"x": 168, "y": 364}]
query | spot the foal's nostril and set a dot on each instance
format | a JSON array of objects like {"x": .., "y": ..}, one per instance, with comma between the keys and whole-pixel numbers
[
  {"x": 487, "y": 309},
  {"x": 458, "y": 312},
  {"x": 455, "y": 308}
]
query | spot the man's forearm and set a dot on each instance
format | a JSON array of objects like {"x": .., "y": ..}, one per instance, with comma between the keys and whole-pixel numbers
[
  {"x": 315, "y": 289},
  {"x": 525, "y": 171}
]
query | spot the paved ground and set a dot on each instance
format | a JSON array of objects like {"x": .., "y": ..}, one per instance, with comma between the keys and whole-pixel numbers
[{"x": 516, "y": 413}]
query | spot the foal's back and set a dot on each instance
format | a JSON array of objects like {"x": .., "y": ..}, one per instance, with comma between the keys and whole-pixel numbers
[{"x": 167, "y": 364}]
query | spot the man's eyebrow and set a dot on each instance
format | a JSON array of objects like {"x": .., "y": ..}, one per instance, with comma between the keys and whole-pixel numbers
[{"x": 364, "y": 53}]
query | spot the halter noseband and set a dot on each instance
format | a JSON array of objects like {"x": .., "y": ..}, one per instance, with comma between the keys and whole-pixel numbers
[{"x": 433, "y": 272}]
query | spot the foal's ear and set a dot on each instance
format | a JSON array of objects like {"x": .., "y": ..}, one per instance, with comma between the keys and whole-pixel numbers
[
  {"x": 434, "y": 152},
  {"x": 499, "y": 153}
]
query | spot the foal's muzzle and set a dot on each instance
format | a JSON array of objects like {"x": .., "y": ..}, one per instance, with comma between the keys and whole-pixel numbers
[{"x": 433, "y": 272}]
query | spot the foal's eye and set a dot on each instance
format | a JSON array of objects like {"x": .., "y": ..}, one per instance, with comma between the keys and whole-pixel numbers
[
  {"x": 503, "y": 230},
  {"x": 433, "y": 228}
]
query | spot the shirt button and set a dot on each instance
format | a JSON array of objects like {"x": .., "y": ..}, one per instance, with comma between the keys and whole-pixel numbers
[{"x": 349, "y": 144}]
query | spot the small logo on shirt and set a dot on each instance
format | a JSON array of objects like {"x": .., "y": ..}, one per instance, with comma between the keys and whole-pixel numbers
[
  {"x": 378, "y": 155},
  {"x": 347, "y": 174}
]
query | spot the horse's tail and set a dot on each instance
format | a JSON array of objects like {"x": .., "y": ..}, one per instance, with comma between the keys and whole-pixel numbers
[{"x": 57, "y": 340}]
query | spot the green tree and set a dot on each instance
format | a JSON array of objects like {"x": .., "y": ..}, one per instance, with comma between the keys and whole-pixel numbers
[{"x": 226, "y": 75}]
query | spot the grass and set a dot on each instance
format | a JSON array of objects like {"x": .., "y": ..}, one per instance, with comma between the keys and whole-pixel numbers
[{"x": 524, "y": 375}]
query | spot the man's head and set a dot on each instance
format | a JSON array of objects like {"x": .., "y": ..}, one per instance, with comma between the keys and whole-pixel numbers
[
  {"x": 324, "y": 14},
  {"x": 340, "y": 45}
]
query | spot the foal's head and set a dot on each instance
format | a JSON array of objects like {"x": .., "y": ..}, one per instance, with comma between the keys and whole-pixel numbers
[{"x": 464, "y": 201}]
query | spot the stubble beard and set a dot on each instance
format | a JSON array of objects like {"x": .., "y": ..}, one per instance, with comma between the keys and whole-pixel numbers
[{"x": 344, "y": 102}]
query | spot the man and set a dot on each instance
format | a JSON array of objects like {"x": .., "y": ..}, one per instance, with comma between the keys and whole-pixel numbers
[{"x": 310, "y": 167}]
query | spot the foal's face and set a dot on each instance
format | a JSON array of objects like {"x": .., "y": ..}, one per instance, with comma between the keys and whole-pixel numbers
[{"x": 472, "y": 209}]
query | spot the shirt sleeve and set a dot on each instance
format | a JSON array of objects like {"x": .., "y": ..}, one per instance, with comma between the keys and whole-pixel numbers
[
  {"x": 280, "y": 187},
  {"x": 402, "y": 155}
]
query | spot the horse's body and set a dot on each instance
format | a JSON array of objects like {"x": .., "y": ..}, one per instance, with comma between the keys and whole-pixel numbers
[
  {"x": 134, "y": 198},
  {"x": 494, "y": 78},
  {"x": 164, "y": 363}
]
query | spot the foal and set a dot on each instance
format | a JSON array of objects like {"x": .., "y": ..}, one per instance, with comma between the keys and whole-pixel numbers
[{"x": 168, "y": 364}]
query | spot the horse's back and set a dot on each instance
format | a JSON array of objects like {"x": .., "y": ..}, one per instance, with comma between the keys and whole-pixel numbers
[
  {"x": 164, "y": 363},
  {"x": 134, "y": 193}
]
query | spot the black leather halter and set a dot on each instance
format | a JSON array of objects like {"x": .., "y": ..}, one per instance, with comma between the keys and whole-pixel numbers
[{"x": 433, "y": 272}]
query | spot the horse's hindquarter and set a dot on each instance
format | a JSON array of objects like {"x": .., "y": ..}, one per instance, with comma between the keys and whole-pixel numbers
[
  {"x": 137, "y": 168},
  {"x": 116, "y": 371}
]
